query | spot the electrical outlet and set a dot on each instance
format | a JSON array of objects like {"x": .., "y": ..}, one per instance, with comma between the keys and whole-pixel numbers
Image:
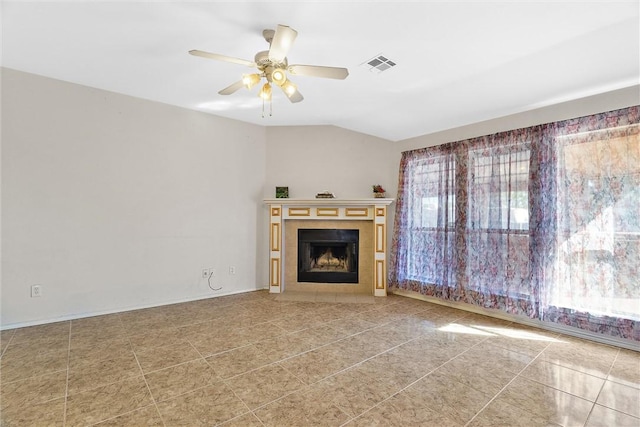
[
  {"x": 205, "y": 273},
  {"x": 36, "y": 291},
  {"x": 232, "y": 269}
]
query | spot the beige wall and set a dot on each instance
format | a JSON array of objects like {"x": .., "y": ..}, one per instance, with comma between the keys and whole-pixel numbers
[
  {"x": 613, "y": 100},
  {"x": 311, "y": 159},
  {"x": 112, "y": 202}
]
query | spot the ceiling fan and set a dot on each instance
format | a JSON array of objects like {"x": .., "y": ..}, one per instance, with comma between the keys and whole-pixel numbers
[{"x": 273, "y": 66}]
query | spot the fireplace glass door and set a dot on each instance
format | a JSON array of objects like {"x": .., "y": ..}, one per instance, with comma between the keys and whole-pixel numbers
[{"x": 328, "y": 255}]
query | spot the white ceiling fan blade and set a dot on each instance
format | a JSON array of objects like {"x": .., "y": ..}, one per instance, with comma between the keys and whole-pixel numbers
[
  {"x": 281, "y": 43},
  {"x": 209, "y": 55},
  {"x": 232, "y": 88},
  {"x": 319, "y": 71}
]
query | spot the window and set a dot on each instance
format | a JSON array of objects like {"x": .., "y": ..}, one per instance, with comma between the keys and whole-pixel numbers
[
  {"x": 430, "y": 218},
  {"x": 600, "y": 176},
  {"x": 430, "y": 180},
  {"x": 498, "y": 219},
  {"x": 498, "y": 182},
  {"x": 542, "y": 222},
  {"x": 433, "y": 205}
]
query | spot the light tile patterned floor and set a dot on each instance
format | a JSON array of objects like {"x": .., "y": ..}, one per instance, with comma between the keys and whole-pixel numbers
[
  {"x": 340, "y": 297},
  {"x": 253, "y": 360}
]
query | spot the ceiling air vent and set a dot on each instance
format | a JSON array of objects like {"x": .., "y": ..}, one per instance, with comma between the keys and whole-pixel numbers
[{"x": 379, "y": 64}]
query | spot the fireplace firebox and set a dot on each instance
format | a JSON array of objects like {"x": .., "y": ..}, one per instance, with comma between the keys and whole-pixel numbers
[{"x": 328, "y": 255}]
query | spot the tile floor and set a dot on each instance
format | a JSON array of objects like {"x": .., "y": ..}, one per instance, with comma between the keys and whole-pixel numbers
[{"x": 251, "y": 360}]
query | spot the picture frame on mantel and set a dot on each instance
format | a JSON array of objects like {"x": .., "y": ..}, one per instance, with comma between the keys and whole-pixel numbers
[{"x": 282, "y": 192}]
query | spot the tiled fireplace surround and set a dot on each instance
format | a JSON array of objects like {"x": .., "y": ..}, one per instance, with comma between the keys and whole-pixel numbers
[{"x": 369, "y": 216}]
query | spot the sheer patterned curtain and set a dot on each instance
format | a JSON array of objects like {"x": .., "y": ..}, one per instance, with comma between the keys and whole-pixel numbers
[
  {"x": 542, "y": 222},
  {"x": 497, "y": 227},
  {"x": 595, "y": 281},
  {"x": 462, "y": 222},
  {"x": 424, "y": 260}
]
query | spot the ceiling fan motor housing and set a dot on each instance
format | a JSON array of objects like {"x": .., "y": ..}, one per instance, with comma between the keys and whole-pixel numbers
[{"x": 262, "y": 61}]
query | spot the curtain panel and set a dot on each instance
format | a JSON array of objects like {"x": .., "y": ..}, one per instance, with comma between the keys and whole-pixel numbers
[
  {"x": 540, "y": 222},
  {"x": 426, "y": 215}
]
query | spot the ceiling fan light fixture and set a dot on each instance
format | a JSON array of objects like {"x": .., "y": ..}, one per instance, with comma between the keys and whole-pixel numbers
[
  {"x": 289, "y": 88},
  {"x": 265, "y": 92},
  {"x": 250, "y": 80},
  {"x": 278, "y": 76}
]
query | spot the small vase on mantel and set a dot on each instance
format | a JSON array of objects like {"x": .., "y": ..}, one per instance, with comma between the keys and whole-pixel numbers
[{"x": 378, "y": 191}]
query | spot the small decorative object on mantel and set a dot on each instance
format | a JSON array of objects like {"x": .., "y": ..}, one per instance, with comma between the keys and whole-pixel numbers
[
  {"x": 379, "y": 192},
  {"x": 325, "y": 195},
  {"x": 282, "y": 192}
]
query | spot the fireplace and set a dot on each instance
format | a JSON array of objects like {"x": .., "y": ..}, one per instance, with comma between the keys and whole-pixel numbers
[
  {"x": 328, "y": 255},
  {"x": 367, "y": 216}
]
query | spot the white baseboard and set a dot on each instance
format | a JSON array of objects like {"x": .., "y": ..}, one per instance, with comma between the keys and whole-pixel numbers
[
  {"x": 120, "y": 310},
  {"x": 553, "y": 327}
]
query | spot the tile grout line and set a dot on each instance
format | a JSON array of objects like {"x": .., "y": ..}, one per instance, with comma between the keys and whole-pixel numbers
[
  {"x": 66, "y": 385},
  {"x": 605, "y": 379},
  {"x": 240, "y": 416},
  {"x": 249, "y": 410},
  {"x": 309, "y": 386},
  {"x": 620, "y": 384},
  {"x": 123, "y": 413},
  {"x": 507, "y": 385},
  {"x": 147, "y": 383},
  {"x": 127, "y": 336},
  {"x": 586, "y": 374},
  {"x": 8, "y": 343},
  {"x": 35, "y": 377},
  {"x": 226, "y": 383},
  {"x": 333, "y": 342},
  {"x": 144, "y": 378},
  {"x": 603, "y": 384},
  {"x": 222, "y": 380},
  {"x": 417, "y": 380}
]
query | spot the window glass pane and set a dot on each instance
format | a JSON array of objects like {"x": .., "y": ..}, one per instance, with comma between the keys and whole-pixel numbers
[
  {"x": 601, "y": 228},
  {"x": 498, "y": 219},
  {"x": 431, "y": 205},
  {"x": 498, "y": 184}
]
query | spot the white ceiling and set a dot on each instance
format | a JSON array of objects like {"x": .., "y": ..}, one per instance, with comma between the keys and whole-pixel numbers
[{"x": 457, "y": 62}]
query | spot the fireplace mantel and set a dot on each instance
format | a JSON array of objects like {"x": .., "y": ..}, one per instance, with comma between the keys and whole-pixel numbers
[
  {"x": 329, "y": 202},
  {"x": 374, "y": 210}
]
